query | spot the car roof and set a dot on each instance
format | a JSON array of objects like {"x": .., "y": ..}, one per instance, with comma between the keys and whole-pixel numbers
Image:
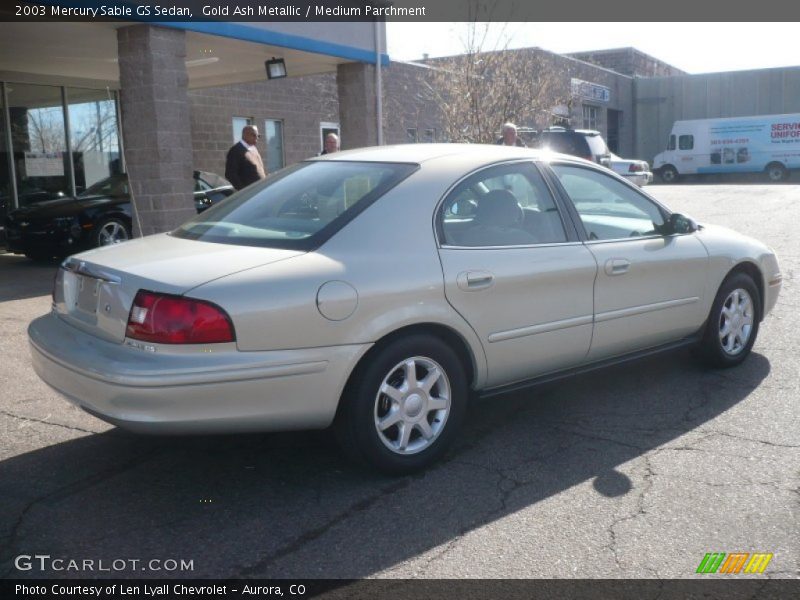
[{"x": 422, "y": 153}]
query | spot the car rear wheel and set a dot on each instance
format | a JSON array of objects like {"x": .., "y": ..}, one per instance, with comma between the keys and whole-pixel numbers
[
  {"x": 404, "y": 405},
  {"x": 112, "y": 231},
  {"x": 732, "y": 324},
  {"x": 776, "y": 172},
  {"x": 669, "y": 174}
]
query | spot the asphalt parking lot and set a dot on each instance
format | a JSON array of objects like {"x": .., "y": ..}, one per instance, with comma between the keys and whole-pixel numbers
[{"x": 637, "y": 471}]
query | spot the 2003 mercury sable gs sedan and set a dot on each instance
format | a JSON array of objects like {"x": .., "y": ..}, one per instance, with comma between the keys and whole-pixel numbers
[{"x": 376, "y": 289}]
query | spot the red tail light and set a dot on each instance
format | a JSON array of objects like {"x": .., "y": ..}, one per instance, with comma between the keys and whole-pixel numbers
[
  {"x": 635, "y": 168},
  {"x": 167, "y": 319}
]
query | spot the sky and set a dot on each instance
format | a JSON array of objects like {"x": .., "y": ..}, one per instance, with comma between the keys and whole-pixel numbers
[{"x": 691, "y": 47}]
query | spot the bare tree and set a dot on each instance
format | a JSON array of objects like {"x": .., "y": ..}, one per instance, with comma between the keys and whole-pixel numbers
[
  {"x": 45, "y": 130},
  {"x": 479, "y": 90},
  {"x": 94, "y": 127}
]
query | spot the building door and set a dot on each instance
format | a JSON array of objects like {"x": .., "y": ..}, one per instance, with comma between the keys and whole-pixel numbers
[
  {"x": 614, "y": 118},
  {"x": 324, "y": 129}
]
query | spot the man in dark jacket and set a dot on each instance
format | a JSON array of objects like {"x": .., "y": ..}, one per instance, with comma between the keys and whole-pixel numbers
[{"x": 243, "y": 165}]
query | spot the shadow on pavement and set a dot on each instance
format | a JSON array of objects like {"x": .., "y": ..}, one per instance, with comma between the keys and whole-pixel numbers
[
  {"x": 21, "y": 277},
  {"x": 288, "y": 505}
]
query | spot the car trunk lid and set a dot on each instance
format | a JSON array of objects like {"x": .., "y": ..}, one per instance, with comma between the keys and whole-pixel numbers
[{"x": 94, "y": 290}]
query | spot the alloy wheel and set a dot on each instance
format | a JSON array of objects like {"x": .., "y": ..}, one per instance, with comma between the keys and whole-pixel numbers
[
  {"x": 412, "y": 405},
  {"x": 736, "y": 321}
]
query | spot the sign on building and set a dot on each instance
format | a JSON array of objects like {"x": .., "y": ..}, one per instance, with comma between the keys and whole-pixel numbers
[{"x": 590, "y": 91}]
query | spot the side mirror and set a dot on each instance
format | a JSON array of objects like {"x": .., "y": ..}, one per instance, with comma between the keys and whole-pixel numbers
[{"x": 679, "y": 224}]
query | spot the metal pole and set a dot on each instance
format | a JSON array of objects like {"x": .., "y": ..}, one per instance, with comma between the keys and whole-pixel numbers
[
  {"x": 378, "y": 82},
  {"x": 68, "y": 135},
  {"x": 12, "y": 172}
]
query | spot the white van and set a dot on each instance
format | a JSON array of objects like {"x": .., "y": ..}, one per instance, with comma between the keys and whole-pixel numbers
[{"x": 768, "y": 143}]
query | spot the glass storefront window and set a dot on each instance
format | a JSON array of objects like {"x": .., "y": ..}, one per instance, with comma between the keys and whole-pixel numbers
[
  {"x": 93, "y": 135},
  {"x": 38, "y": 137}
]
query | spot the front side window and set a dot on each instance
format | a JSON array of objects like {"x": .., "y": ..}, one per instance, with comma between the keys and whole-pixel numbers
[
  {"x": 686, "y": 142},
  {"x": 297, "y": 208},
  {"x": 609, "y": 209},
  {"x": 507, "y": 205}
]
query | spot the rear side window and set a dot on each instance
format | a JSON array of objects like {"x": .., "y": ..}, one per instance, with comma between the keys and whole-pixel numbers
[
  {"x": 566, "y": 143},
  {"x": 297, "y": 208},
  {"x": 686, "y": 142}
]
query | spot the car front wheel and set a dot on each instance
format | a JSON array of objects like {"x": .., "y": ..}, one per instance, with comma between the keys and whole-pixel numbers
[
  {"x": 776, "y": 172},
  {"x": 404, "y": 405},
  {"x": 112, "y": 231},
  {"x": 669, "y": 174},
  {"x": 732, "y": 324}
]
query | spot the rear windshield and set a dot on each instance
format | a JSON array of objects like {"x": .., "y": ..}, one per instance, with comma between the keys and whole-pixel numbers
[
  {"x": 299, "y": 207},
  {"x": 597, "y": 144}
]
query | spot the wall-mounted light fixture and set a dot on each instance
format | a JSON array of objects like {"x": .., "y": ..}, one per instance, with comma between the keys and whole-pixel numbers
[{"x": 276, "y": 68}]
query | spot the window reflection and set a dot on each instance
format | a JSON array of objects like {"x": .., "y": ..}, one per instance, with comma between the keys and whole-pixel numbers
[
  {"x": 93, "y": 136},
  {"x": 38, "y": 137}
]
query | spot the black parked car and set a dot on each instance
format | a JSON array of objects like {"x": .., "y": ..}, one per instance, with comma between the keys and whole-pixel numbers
[
  {"x": 586, "y": 143},
  {"x": 99, "y": 216}
]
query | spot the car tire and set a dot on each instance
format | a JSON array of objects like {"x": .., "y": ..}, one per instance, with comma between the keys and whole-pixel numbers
[
  {"x": 669, "y": 174},
  {"x": 776, "y": 172},
  {"x": 732, "y": 324},
  {"x": 410, "y": 427},
  {"x": 111, "y": 231}
]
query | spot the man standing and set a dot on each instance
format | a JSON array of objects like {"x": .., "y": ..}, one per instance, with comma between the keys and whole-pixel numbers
[
  {"x": 510, "y": 137},
  {"x": 243, "y": 165},
  {"x": 331, "y": 144}
]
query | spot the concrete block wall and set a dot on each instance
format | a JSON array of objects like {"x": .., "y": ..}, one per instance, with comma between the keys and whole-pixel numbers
[
  {"x": 662, "y": 101},
  {"x": 300, "y": 102},
  {"x": 629, "y": 61},
  {"x": 155, "y": 119}
]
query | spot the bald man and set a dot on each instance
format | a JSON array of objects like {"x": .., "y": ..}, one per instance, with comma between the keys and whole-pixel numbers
[{"x": 243, "y": 164}]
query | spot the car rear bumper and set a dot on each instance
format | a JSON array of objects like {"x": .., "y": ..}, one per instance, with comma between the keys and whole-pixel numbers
[
  {"x": 199, "y": 392},
  {"x": 641, "y": 179}
]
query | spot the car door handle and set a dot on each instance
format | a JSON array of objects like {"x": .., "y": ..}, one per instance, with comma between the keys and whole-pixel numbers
[
  {"x": 471, "y": 281},
  {"x": 617, "y": 266}
]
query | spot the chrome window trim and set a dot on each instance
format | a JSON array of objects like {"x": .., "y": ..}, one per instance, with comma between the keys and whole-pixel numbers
[
  {"x": 626, "y": 239},
  {"x": 542, "y": 245}
]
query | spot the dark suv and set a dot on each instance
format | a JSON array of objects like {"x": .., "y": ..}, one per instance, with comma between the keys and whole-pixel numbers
[{"x": 585, "y": 143}]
